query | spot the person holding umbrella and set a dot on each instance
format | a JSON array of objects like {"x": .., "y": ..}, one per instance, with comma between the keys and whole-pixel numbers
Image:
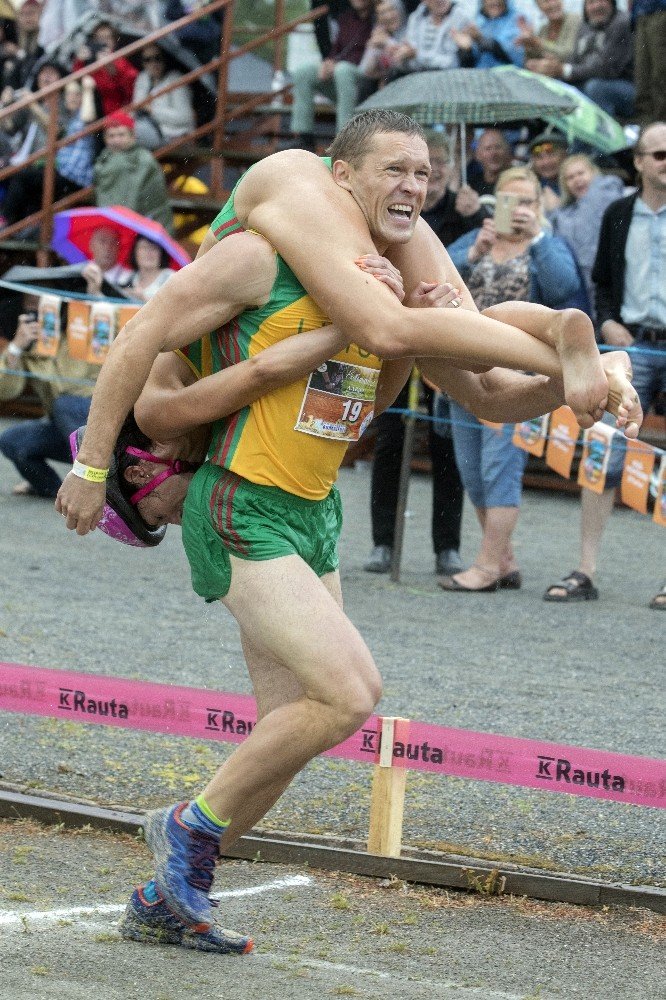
[{"x": 150, "y": 263}]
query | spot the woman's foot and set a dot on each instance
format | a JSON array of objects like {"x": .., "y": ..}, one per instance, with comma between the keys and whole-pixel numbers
[
  {"x": 623, "y": 401},
  {"x": 477, "y": 579},
  {"x": 585, "y": 382}
]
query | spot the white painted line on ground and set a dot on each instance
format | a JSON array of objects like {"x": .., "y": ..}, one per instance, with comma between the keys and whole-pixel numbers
[
  {"x": 457, "y": 989},
  {"x": 17, "y": 918}
]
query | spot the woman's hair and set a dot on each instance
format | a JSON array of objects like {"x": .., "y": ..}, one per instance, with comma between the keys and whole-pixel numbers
[
  {"x": 523, "y": 174},
  {"x": 130, "y": 436},
  {"x": 565, "y": 195},
  {"x": 165, "y": 260}
]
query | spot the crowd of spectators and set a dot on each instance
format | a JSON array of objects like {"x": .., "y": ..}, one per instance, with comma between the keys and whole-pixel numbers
[
  {"x": 547, "y": 252},
  {"x": 42, "y": 42}
]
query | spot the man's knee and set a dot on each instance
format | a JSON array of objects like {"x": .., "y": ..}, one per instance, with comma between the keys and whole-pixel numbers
[{"x": 353, "y": 707}]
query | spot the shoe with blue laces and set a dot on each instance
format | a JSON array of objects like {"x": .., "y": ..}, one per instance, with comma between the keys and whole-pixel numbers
[
  {"x": 185, "y": 864},
  {"x": 149, "y": 919}
]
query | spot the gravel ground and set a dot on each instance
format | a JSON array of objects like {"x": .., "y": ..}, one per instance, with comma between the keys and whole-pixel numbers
[
  {"x": 507, "y": 663},
  {"x": 317, "y": 934}
]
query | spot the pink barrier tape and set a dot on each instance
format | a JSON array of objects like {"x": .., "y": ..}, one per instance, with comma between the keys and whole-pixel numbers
[{"x": 418, "y": 746}]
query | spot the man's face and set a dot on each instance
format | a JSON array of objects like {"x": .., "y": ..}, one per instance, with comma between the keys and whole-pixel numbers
[
  {"x": 388, "y": 17},
  {"x": 361, "y": 6},
  {"x": 389, "y": 185},
  {"x": 494, "y": 8},
  {"x": 439, "y": 176},
  {"x": 104, "y": 246},
  {"x": 652, "y": 170},
  {"x": 598, "y": 12},
  {"x": 438, "y": 8},
  {"x": 551, "y": 9},
  {"x": 119, "y": 138},
  {"x": 547, "y": 160},
  {"x": 492, "y": 152}
]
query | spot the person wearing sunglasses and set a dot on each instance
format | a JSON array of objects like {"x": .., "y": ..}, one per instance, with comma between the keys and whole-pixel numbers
[
  {"x": 168, "y": 116},
  {"x": 631, "y": 311}
]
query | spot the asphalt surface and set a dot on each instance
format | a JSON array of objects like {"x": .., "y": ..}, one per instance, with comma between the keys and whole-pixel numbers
[
  {"x": 586, "y": 674},
  {"x": 317, "y": 935}
]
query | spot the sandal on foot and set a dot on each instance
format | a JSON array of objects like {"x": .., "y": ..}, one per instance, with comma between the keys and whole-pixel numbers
[
  {"x": 511, "y": 581},
  {"x": 450, "y": 583},
  {"x": 24, "y": 489},
  {"x": 576, "y": 586},
  {"x": 658, "y": 602}
]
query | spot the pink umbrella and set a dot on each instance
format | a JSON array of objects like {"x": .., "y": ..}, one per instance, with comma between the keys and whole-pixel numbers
[{"x": 72, "y": 231}]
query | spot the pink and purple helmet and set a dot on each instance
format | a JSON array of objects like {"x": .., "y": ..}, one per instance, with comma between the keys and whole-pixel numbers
[{"x": 120, "y": 518}]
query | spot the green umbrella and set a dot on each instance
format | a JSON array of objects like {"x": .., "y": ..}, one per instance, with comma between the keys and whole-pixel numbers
[
  {"x": 471, "y": 96},
  {"x": 586, "y": 122}
]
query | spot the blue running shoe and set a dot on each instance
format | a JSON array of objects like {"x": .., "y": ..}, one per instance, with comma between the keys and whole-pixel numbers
[
  {"x": 185, "y": 864},
  {"x": 151, "y": 921}
]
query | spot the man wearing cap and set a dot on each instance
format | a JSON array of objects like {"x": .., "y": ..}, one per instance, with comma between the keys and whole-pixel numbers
[
  {"x": 547, "y": 153},
  {"x": 127, "y": 174},
  {"x": 602, "y": 61}
]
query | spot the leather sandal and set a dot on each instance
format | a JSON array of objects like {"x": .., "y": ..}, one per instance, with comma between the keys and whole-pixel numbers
[
  {"x": 576, "y": 586},
  {"x": 450, "y": 583},
  {"x": 658, "y": 602}
]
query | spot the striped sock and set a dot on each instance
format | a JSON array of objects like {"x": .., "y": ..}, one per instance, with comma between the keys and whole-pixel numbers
[{"x": 199, "y": 816}]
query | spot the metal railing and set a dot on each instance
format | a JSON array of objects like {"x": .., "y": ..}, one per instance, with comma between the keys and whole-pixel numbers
[{"x": 226, "y": 110}]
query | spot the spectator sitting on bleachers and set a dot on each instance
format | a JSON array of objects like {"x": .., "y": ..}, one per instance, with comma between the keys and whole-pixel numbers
[
  {"x": 73, "y": 164},
  {"x": 151, "y": 269},
  {"x": 140, "y": 15},
  {"x": 336, "y": 77},
  {"x": 586, "y": 194},
  {"x": 202, "y": 37},
  {"x": 492, "y": 155},
  {"x": 64, "y": 387},
  {"x": 167, "y": 116},
  {"x": 59, "y": 19},
  {"x": 127, "y": 174},
  {"x": 8, "y": 52},
  {"x": 383, "y": 46},
  {"x": 27, "y": 36},
  {"x": 556, "y": 37},
  {"x": 115, "y": 82},
  {"x": 430, "y": 38},
  {"x": 491, "y": 39},
  {"x": 547, "y": 154},
  {"x": 104, "y": 248},
  {"x": 602, "y": 62}
]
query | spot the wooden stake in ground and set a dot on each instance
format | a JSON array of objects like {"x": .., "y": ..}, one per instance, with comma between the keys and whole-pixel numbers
[{"x": 388, "y": 796}]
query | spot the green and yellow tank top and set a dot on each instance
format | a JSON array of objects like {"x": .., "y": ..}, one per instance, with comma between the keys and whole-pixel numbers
[{"x": 294, "y": 437}]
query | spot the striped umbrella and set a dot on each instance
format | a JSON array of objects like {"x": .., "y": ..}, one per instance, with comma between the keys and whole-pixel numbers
[{"x": 72, "y": 231}]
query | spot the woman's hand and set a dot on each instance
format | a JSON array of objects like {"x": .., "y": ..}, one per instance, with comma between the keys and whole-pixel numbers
[
  {"x": 384, "y": 271},
  {"x": 525, "y": 222},
  {"x": 484, "y": 242},
  {"x": 430, "y": 294}
]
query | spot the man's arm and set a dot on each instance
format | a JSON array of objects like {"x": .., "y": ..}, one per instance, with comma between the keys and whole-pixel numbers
[
  {"x": 201, "y": 297},
  {"x": 172, "y": 404}
]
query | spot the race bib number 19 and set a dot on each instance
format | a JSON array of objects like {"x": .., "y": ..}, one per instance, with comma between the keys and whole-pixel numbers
[{"x": 339, "y": 401}]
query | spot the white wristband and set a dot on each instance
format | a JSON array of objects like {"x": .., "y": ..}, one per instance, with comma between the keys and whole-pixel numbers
[{"x": 14, "y": 350}]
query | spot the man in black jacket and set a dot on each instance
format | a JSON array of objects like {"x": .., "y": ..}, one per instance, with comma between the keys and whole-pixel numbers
[{"x": 631, "y": 309}]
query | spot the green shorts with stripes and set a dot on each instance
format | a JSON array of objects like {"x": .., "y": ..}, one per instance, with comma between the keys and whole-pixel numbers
[{"x": 225, "y": 515}]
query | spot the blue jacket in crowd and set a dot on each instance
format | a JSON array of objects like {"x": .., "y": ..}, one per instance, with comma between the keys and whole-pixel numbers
[
  {"x": 500, "y": 33},
  {"x": 554, "y": 277}
]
